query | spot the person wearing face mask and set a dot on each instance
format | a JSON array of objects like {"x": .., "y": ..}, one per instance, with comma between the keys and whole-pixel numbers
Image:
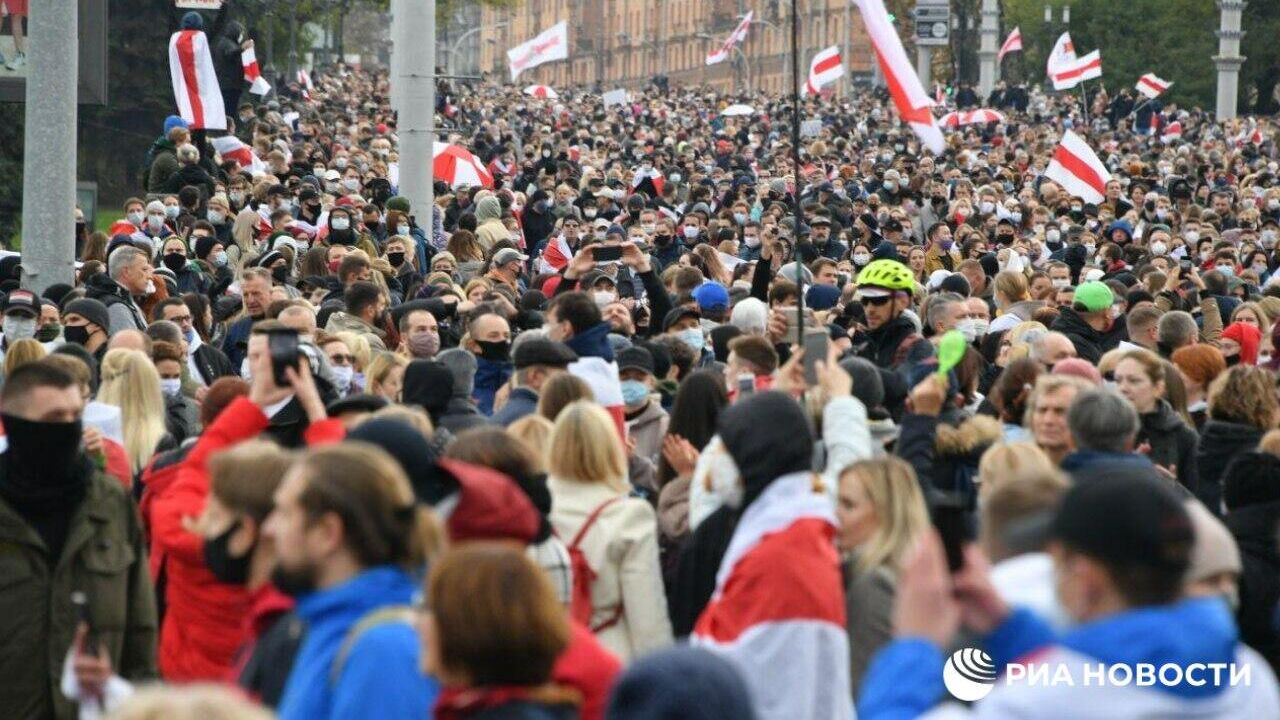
[
  {"x": 66, "y": 526},
  {"x": 156, "y": 226},
  {"x": 343, "y": 231},
  {"x": 190, "y": 279},
  {"x": 489, "y": 339},
  {"x": 21, "y": 311},
  {"x": 940, "y": 253}
]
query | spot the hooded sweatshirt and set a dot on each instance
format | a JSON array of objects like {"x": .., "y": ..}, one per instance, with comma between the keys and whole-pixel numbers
[{"x": 489, "y": 227}]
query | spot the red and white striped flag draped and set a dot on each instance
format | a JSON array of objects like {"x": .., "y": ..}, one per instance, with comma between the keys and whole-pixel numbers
[
  {"x": 556, "y": 255},
  {"x": 195, "y": 83},
  {"x": 1013, "y": 43},
  {"x": 738, "y": 35},
  {"x": 1077, "y": 169},
  {"x": 1151, "y": 86},
  {"x": 655, "y": 178},
  {"x": 548, "y": 45},
  {"x": 909, "y": 97},
  {"x": 1171, "y": 132},
  {"x": 602, "y": 377},
  {"x": 778, "y": 608},
  {"x": 253, "y": 74},
  {"x": 1072, "y": 74},
  {"x": 826, "y": 68},
  {"x": 230, "y": 148}
]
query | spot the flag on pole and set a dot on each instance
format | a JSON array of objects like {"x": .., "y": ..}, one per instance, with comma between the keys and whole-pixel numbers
[
  {"x": 1013, "y": 43},
  {"x": 778, "y": 606},
  {"x": 1063, "y": 54},
  {"x": 253, "y": 74},
  {"x": 827, "y": 67},
  {"x": 549, "y": 45},
  {"x": 738, "y": 35},
  {"x": 195, "y": 83},
  {"x": 1077, "y": 169},
  {"x": 230, "y": 148},
  {"x": 1151, "y": 86},
  {"x": 909, "y": 97},
  {"x": 1073, "y": 73}
]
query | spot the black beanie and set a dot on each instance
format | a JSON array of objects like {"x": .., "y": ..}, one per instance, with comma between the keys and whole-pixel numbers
[
  {"x": 415, "y": 455},
  {"x": 768, "y": 436},
  {"x": 1252, "y": 478}
]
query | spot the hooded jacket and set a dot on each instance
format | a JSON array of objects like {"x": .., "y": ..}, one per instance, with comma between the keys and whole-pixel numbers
[
  {"x": 1090, "y": 344},
  {"x": 883, "y": 342},
  {"x": 381, "y": 676},
  {"x": 905, "y": 679},
  {"x": 489, "y": 227},
  {"x": 945, "y": 456}
]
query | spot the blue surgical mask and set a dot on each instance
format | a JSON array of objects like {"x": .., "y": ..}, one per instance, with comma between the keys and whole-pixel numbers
[
  {"x": 1227, "y": 270},
  {"x": 190, "y": 335},
  {"x": 693, "y": 338},
  {"x": 634, "y": 392}
]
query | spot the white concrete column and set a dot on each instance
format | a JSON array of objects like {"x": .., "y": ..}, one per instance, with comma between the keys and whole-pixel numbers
[
  {"x": 924, "y": 66},
  {"x": 418, "y": 106},
  {"x": 1228, "y": 60},
  {"x": 987, "y": 70}
]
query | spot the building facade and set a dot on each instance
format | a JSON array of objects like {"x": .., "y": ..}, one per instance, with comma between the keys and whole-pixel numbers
[{"x": 626, "y": 43}]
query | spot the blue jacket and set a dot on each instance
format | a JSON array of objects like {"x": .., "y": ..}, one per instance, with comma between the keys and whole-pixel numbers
[
  {"x": 593, "y": 342},
  {"x": 522, "y": 402},
  {"x": 235, "y": 345},
  {"x": 381, "y": 675},
  {"x": 490, "y": 376},
  {"x": 905, "y": 677}
]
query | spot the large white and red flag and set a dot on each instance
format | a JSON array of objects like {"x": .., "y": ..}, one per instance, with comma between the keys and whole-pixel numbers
[
  {"x": 1062, "y": 55},
  {"x": 195, "y": 83},
  {"x": 556, "y": 255},
  {"x": 1078, "y": 170},
  {"x": 826, "y": 68},
  {"x": 253, "y": 74},
  {"x": 909, "y": 97},
  {"x": 1152, "y": 86},
  {"x": 549, "y": 45},
  {"x": 1086, "y": 67},
  {"x": 1171, "y": 132},
  {"x": 1013, "y": 43},
  {"x": 739, "y": 34},
  {"x": 778, "y": 607},
  {"x": 602, "y": 377},
  {"x": 230, "y": 148}
]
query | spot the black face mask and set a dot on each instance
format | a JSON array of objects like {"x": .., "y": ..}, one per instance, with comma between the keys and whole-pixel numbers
[
  {"x": 294, "y": 582},
  {"x": 495, "y": 351},
  {"x": 395, "y": 258},
  {"x": 175, "y": 261},
  {"x": 225, "y": 566},
  {"x": 41, "y": 458},
  {"x": 77, "y": 334},
  {"x": 662, "y": 240},
  {"x": 1232, "y": 361}
]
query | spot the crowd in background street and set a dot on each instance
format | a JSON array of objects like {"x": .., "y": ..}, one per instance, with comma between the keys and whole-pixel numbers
[{"x": 628, "y": 434}]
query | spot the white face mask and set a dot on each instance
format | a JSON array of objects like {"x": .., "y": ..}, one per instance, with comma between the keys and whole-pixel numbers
[
  {"x": 1061, "y": 282},
  {"x": 861, "y": 259},
  {"x": 171, "y": 211},
  {"x": 171, "y": 387},
  {"x": 342, "y": 377},
  {"x": 752, "y": 241},
  {"x": 1158, "y": 248},
  {"x": 137, "y": 218},
  {"x": 155, "y": 222},
  {"x": 1192, "y": 235},
  {"x": 980, "y": 326},
  {"x": 968, "y": 328},
  {"x": 986, "y": 207},
  {"x": 691, "y": 231},
  {"x": 351, "y": 184},
  {"x": 604, "y": 297},
  {"x": 340, "y": 223}
]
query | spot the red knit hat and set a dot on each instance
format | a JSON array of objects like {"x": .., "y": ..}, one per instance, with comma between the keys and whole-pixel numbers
[{"x": 1249, "y": 337}]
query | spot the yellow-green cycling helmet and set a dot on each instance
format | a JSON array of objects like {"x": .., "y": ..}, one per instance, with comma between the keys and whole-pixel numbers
[{"x": 889, "y": 274}]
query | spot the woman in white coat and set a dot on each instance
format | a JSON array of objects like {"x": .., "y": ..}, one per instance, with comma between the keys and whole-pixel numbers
[{"x": 588, "y": 483}]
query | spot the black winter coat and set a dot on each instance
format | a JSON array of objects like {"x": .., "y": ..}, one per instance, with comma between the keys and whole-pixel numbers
[
  {"x": 696, "y": 572},
  {"x": 884, "y": 341},
  {"x": 1090, "y": 344},
  {"x": 1172, "y": 442},
  {"x": 1254, "y": 528},
  {"x": 1220, "y": 442}
]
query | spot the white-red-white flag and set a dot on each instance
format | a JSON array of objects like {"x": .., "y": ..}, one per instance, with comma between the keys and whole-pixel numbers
[
  {"x": 304, "y": 82},
  {"x": 1062, "y": 55},
  {"x": 778, "y": 606},
  {"x": 602, "y": 377},
  {"x": 1078, "y": 170},
  {"x": 1013, "y": 43},
  {"x": 656, "y": 181},
  {"x": 739, "y": 34},
  {"x": 1152, "y": 86},
  {"x": 1086, "y": 67},
  {"x": 195, "y": 83},
  {"x": 556, "y": 255},
  {"x": 1171, "y": 132},
  {"x": 253, "y": 74},
  {"x": 230, "y": 148},
  {"x": 827, "y": 66},
  {"x": 549, "y": 45},
  {"x": 909, "y": 97}
]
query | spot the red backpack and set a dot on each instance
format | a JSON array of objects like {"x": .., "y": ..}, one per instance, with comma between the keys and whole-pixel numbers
[{"x": 580, "y": 606}]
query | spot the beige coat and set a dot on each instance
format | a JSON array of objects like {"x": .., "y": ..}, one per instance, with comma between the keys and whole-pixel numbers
[{"x": 622, "y": 549}]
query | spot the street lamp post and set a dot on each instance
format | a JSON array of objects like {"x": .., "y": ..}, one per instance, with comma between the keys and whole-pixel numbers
[
  {"x": 785, "y": 54},
  {"x": 293, "y": 40},
  {"x": 453, "y": 48}
]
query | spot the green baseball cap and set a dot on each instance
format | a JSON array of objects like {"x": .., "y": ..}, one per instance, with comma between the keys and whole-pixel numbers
[{"x": 1095, "y": 296}]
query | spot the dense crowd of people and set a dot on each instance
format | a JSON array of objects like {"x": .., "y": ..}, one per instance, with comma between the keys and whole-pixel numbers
[{"x": 660, "y": 425}]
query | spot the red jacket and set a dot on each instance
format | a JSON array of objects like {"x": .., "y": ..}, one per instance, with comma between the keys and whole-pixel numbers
[
  {"x": 588, "y": 667},
  {"x": 204, "y": 618}
]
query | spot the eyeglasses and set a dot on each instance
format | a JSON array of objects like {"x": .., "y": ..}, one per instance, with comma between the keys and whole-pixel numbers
[
  {"x": 340, "y": 359},
  {"x": 875, "y": 301}
]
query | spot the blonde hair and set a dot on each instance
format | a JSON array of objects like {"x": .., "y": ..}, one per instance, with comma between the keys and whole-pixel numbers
[
  {"x": 1245, "y": 394},
  {"x": 1013, "y": 285},
  {"x": 22, "y": 352},
  {"x": 1264, "y": 319},
  {"x": 1004, "y": 461},
  {"x": 380, "y": 368},
  {"x": 535, "y": 431},
  {"x": 189, "y": 702},
  {"x": 585, "y": 447},
  {"x": 892, "y": 489},
  {"x": 131, "y": 383},
  {"x": 1270, "y": 443},
  {"x": 359, "y": 346},
  {"x": 409, "y": 414}
]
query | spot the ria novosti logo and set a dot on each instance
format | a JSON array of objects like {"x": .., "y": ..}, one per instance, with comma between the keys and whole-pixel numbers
[{"x": 969, "y": 674}]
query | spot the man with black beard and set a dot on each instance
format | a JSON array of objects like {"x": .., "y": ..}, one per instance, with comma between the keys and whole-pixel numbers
[{"x": 64, "y": 528}]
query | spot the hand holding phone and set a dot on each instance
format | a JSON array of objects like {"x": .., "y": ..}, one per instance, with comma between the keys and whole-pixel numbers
[
  {"x": 283, "y": 346},
  {"x": 952, "y": 522},
  {"x": 816, "y": 343}
]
